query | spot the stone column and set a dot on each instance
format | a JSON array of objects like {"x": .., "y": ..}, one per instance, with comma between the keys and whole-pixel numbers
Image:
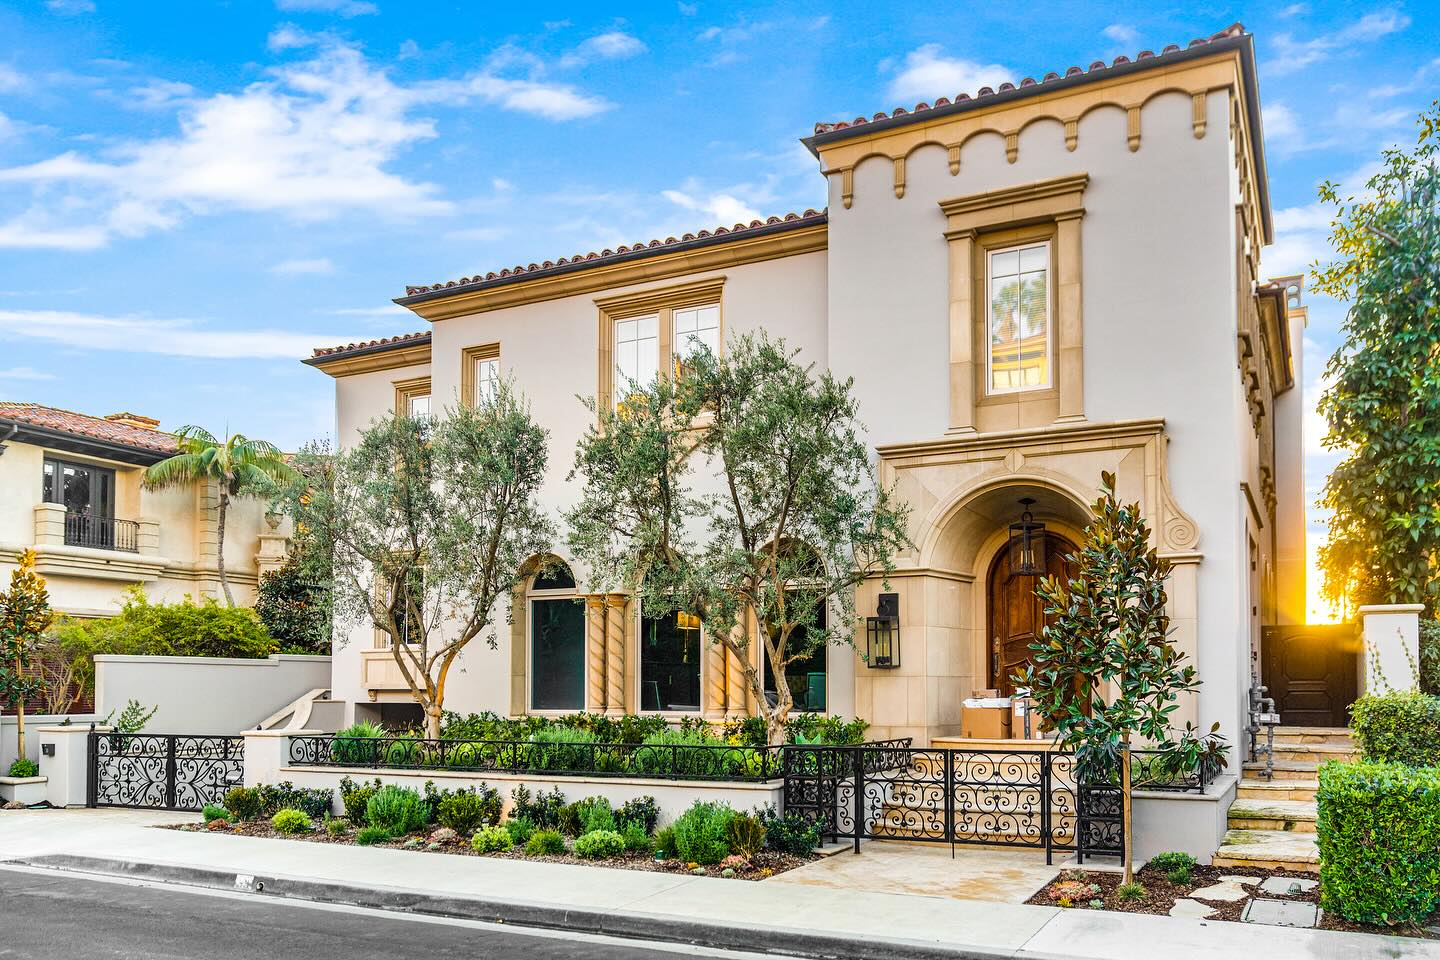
[
  {"x": 737, "y": 690},
  {"x": 1392, "y": 646},
  {"x": 1184, "y": 615},
  {"x": 615, "y": 637},
  {"x": 147, "y": 540},
  {"x": 712, "y": 676},
  {"x": 595, "y": 653},
  {"x": 962, "y": 333},
  {"x": 67, "y": 772},
  {"x": 49, "y": 524},
  {"x": 1070, "y": 338}
]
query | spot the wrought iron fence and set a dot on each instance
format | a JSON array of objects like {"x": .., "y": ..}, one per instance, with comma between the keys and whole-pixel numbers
[
  {"x": 162, "y": 771},
  {"x": 102, "y": 533},
  {"x": 1156, "y": 770},
  {"x": 661, "y": 761}
]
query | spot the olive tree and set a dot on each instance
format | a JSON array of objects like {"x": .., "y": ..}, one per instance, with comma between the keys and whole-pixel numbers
[
  {"x": 429, "y": 522},
  {"x": 793, "y": 522}
]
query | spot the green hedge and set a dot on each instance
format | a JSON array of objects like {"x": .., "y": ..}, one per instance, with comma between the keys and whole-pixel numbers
[
  {"x": 1379, "y": 834},
  {"x": 1398, "y": 727}
]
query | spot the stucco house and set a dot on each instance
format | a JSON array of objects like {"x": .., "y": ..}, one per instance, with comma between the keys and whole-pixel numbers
[
  {"x": 70, "y": 487},
  {"x": 1029, "y": 285}
]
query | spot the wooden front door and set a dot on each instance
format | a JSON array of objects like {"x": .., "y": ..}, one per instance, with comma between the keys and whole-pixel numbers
[
  {"x": 1312, "y": 672},
  {"x": 1016, "y": 616}
]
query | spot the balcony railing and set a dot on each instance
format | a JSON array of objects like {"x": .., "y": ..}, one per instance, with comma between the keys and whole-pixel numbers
[{"x": 102, "y": 533}]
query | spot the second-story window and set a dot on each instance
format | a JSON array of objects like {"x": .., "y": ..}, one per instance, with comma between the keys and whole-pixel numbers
[
  {"x": 696, "y": 327},
  {"x": 480, "y": 373},
  {"x": 487, "y": 379},
  {"x": 1018, "y": 282},
  {"x": 637, "y": 352}
]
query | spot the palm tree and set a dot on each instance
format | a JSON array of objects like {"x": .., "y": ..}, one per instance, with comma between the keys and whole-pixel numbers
[{"x": 239, "y": 467}]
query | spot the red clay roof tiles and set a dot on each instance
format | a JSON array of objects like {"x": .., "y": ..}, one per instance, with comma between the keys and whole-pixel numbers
[
  {"x": 384, "y": 342},
  {"x": 84, "y": 425}
]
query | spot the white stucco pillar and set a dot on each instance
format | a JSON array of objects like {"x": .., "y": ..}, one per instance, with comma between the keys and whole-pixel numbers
[
  {"x": 67, "y": 771},
  {"x": 1392, "y": 646},
  {"x": 266, "y": 751}
]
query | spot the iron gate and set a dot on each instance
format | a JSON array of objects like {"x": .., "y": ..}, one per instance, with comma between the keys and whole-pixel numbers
[
  {"x": 162, "y": 771},
  {"x": 892, "y": 791}
]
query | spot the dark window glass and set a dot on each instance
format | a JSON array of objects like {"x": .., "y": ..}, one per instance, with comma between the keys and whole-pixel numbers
[
  {"x": 412, "y": 595},
  {"x": 805, "y": 676},
  {"x": 80, "y": 487},
  {"x": 670, "y": 663},
  {"x": 558, "y": 577},
  {"x": 557, "y": 654}
]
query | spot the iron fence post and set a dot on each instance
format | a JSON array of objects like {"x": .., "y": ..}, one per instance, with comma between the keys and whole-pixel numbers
[
  {"x": 92, "y": 764},
  {"x": 948, "y": 765},
  {"x": 170, "y": 772},
  {"x": 1045, "y": 825},
  {"x": 858, "y": 759}
]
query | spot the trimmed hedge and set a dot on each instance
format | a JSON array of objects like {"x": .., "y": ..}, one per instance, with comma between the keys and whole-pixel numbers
[
  {"x": 1398, "y": 727},
  {"x": 1378, "y": 829}
]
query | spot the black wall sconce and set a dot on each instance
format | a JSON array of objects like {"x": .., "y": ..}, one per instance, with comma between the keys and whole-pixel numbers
[{"x": 882, "y": 633}]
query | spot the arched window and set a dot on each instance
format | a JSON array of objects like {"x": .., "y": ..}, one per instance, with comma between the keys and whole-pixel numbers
[
  {"x": 807, "y": 676},
  {"x": 670, "y": 650},
  {"x": 557, "y": 641}
]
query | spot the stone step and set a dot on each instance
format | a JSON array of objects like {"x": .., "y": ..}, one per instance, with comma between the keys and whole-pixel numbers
[
  {"x": 1292, "y": 735},
  {"x": 1259, "y": 789},
  {"x": 1316, "y": 752},
  {"x": 1292, "y": 816},
  {"x": 1268, "y": 849},
  {"x": 1284, "y": 769}
]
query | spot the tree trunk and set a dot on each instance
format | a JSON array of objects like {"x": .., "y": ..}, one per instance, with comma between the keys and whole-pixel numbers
[
  {"x": 433, "y": 712},
  {"x": 220, "y": 545},
  {"x": 19, "y": 716},
  {"x": 1127, "y": 827}
]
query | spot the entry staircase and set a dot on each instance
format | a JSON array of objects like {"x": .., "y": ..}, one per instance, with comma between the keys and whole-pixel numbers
[{"x": 1272, "y": 821}]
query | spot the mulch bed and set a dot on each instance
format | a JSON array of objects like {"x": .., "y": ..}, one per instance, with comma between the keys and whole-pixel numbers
[
  {"x": 761, "y": 866},
  {"x": 1160, "y": 895}
]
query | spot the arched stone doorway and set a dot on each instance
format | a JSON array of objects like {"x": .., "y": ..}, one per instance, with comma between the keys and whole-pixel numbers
[{"x": 1015, "y": 616}]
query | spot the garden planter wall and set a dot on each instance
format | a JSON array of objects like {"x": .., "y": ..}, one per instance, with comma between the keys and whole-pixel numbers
[
  {"x": 1193, "y": 823},
  {"x": 26, "y": 790}
]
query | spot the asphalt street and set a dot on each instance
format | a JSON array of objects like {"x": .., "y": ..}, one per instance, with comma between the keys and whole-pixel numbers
[{"x": 50, "y": 916}]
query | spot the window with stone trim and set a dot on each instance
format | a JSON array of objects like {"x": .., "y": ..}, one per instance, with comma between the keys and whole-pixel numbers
[
  {"x": 1018, "y": 332},
  {"x": 670, "y": 651},
  {"x": 479, "y": 373},
  {"x": 557, "y": 642}
]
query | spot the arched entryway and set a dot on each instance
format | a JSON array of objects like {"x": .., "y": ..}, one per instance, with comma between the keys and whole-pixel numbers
[{"x": 1015, "y": 614}]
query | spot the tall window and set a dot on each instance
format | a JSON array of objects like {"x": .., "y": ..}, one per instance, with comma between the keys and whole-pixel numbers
[
  {"x": 637, "y": 352},
  {"x": 1018, "y": 280},
  {"x": 407, "y": 604},
  {"x": 696, "y": 327},
  {"x": 670, "y": 663},
  {"x": 487, "y": 379},
  {"x": 419, "y": 405},
  {"x": 83, "y": 489},
  {"x": 806, "y": 676},
  {"x": 557, "y": 642},
  {"x": 412, "y": 397},
  {"x": 480, "y": 373}
]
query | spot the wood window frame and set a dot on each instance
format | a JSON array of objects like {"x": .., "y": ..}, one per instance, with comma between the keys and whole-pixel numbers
[
  {"x": 406, "y": 390},
  {"x": 662, "y": 302},
  {"x": 470, "y": 356}
]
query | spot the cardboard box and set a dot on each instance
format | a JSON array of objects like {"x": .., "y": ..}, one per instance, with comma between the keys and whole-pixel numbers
[{"x": 985, "y": 719}]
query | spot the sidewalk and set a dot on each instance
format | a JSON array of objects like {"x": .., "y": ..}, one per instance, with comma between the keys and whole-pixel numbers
[{"x": 770, "y": 913}]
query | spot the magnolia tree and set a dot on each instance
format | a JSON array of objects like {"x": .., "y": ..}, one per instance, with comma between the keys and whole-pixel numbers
[
  {"x": 429, "y": 522},
  {"x": 1103, "y": 671},
  {"x": 25, "y": 615},
  {"x": 797, "y": 523}
]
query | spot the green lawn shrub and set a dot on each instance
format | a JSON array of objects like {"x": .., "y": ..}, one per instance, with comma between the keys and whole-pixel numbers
[
  {"x": 315, "y": 802},
  {"x": 465, "y": 810},
  {"x": 337, "y": 826},
  {"x": 520, "y": 829},
  {"x": 542, "y": 809},
  {"x": 24, "y": 767},
  {"x": 636, "y": 837},
  {"x": 366, "y": 836},
  {"x": 545, "y": 843},
  {"x": 244, "y": 802},
  {"x": 791, "y": 833},
  {"x": 595, "y": 813},
  {"x": 599, "y": 845},
  {"x": 1430, "y": 656},
  {"x": 1401, "y": 726},
  {"x": 643, "y": 809},
  {"x": 213, "y": 811},
  {"x": 745, "y": 834},
  {"x": 701, "y": 833},
  {"x": 356, "y": 797},
  {"x": 397, "y": 810},
  {"x": 1177, "y": 866},
  {"x": 291, "y": 820},
  {"x": 562, "y": 748},
  {"x": 491, "y": 839},
  {"x": 358, "y": 744},
  {"x": 1378, "y": 829},
  {"x": 664, "y": 843}
]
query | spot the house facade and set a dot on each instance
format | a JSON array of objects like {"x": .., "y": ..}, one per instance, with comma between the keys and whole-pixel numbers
[
  {"x": 70, "y": 488},
  {"x": 1029, "y": 286}
]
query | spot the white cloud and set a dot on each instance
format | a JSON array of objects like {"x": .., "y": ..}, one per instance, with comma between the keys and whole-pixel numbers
[
  {"x": 25, "y": 373},
  {"x": 927, "y": 74},
  {"x": 723, "y": 208},
  {"x": 10, "y": 79},
  {"x": 161, "y": 94},
  {"x": 344, "y": 8},
  {"x": 688, "y": 9},
  {"x": 1280, "y": 122},
  {"x": 1292, "y": 55},
  {"x": 293, "y": 267},
  {"x": 175, "y": 338},
  {"x": 1123, "y": 34},
  {"x": 614, "y": 45},
  {"x": 70, "y": 8},
  {"x": 22, "y": 233}
]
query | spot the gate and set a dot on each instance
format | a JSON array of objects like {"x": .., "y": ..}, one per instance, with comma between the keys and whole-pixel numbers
[
  {"x": 162, "y": 771},
  {"x": 1010, "y": 798}
]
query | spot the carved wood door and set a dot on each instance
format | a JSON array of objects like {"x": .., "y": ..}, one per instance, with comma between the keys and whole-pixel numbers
[
  {"x": 1312, "y": 672},
  {"x": 1016, "y": 616}
]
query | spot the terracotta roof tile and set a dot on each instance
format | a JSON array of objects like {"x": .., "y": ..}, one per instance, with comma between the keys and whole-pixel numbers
[
  {"x": 1099, "y": 66},
  {"x": 738, "y": 231},
  {"x": 397, "y": 341},
  {"x": 84, "y": 425}
]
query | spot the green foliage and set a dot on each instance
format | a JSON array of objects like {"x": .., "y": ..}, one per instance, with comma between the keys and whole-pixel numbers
[
  {"x": 791, "y": 833},
  {"x": 211, "y": 811},
  {"x": 466, "y": 810},
  {"x": 25, "y": 615},
  {"x": 24, "y": 767},
  {"x": 545, "y": 843},
  {"x": 643, "y": 810},
  {"x": 596, "y": 814},
  {"x": 543, "y": 809},
  {"x": 355, "y": 797},
  {"x": 599, "y": 845},
  {"x": 314, "y": 801},
  {"x": 443, "y": 511},
  {"x": 702, "y": 833},
  {"x": 492, "y": 839},
  {"x": 1382, "y": 399},
  {"x": 1430, "y": 657},
  {"x": 133, "y": 717},
  {"x": 295, "y": 611},
  {"x": 184, "y": 629},
  {"x": 244, "y": 802},
  {"x": 337, "y": 826},
  {"x": 398, "y": 810},
  {"x": 520, "y": 829},
  {"x": 799, "y": 524},
  {"x": 664, "y": 843},
  {"x": 745, "y": 834},
  {"x": 1377, "y": 827},
  {"x": 1398, "y": 727},
  {"x": 1131, "y": 891},
  {"x": 637, "y": 838},
  {"x": 291, "y": 820},
  {"x": 357, "y": 744},
  {"x": 367, "y": 836},
  {"x": 1172, "y": 860},
  {"x": 562, "y": 748}
]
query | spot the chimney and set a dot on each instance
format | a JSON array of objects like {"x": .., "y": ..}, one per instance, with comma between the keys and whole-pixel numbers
[{"x": 134, "y": 420}]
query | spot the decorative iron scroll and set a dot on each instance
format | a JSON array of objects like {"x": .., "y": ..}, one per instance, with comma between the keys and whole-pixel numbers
[{"x": 163, "y": 771}]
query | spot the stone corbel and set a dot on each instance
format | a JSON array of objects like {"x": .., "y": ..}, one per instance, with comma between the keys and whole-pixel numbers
[
  {"x": 1132, "y": 128},
  {"x": 1177, "y": 533},
  {"x": 899, "y": 177},
  {"x": 1198, "y": 115}
]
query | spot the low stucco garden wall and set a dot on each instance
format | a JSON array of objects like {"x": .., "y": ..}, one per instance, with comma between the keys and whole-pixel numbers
[{"x": 206, "y": 695}]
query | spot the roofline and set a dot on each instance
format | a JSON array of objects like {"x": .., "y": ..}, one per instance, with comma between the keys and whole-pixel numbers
[
  {"x": 78, "y": 443},
  {"x": 1244, "y": 44},
  {"x": 346, "y": 353},
  {"x": 639, "y": 253}
]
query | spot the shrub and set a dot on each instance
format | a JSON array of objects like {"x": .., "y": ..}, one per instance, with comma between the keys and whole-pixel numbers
[
  {"x": 357, "y": 744},
  {"x": 599, "y": 845},
  {"x": 315, "y": 802},
  {"x": 464, "y": 811},
  {"x": 636, "y": 837},
  {"x": 1131, "y": 891},
  {"x": 700, "y": 833},
  {"x": 595, "y": 814},
  {"x": 791, "y": 833},
  {"x": 244, "y": 802},
  {"x": 746, "y": 835},
  {"x": 336, "y": 826},
  {"x": 1172, "y": 860},
  {"x": 1430, "y": 657},
  {"x": 1181, "y": 876},
  {"x": 371, "y": 835},
  {"x": 295, "y": 608},
  {"x": 520, "y": 829},
  {"x": 1377, "y": 827},
  {"x": 1398, "y": 727},
  {"x": 684, "y": 752},
  {"x": 664, "y": 842},
  {"x": 562, "y": 748},
  {"x": 397, "y": 810},
  {"x": 291, "y": 820},
  {"x": 542, "y": 809},
  {"x": 640, "y": 809},
  {"x": 24, "y": 767},
  {"x": 544, "y": 843},
  {"x": 491, "y": 839},
  {"x": 569, "y": 820},
  {"x": 356, "y": 797},
  {"x": 213, "y": 811}
]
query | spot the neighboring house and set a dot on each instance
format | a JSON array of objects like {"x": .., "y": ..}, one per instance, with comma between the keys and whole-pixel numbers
[
  {"x": 1028, "y": 285},
  {"x": 70, "y": 487}
]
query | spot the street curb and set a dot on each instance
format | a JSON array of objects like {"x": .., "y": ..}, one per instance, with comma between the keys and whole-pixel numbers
[{"x": 780, "y": 941}]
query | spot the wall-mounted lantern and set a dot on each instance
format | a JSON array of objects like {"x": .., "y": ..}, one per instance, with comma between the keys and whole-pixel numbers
[
  {"x": 1027, "y": 544},
  {"x": 882, "y": 633}
]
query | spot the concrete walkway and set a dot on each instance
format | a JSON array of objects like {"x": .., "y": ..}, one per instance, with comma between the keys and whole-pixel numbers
[{"x": 772, "y": 908}]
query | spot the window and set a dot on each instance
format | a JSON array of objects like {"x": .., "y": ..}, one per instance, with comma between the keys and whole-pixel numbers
[
  {"x": 645, "y": 334},
  {"x": 487, "y": 379},
  {"x": 1018, "y": 280},
  {"x": 557, "y": 642},
  {"x": 480, "y": 373},
  {"x": 83, "y": 489},
  {"x": 805, "y": 676},
  {"x": 637, "y": 352},
  {"x": 408, "y": 604},
  {"x": 696, "y": 327},
  {"x": 670, "y": 663},
  {"x": 412, "y": 397}
]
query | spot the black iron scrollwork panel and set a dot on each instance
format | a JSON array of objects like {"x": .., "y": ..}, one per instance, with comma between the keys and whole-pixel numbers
[{"x": 163, "y": 771}]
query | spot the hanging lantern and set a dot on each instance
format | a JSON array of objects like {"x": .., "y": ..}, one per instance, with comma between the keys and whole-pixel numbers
[
  {"x": 1027, "y": 544},
  {"x": 882, "y": 634}
]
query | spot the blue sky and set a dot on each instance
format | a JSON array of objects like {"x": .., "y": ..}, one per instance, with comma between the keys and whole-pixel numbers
[{"x": 194, "y": 194}]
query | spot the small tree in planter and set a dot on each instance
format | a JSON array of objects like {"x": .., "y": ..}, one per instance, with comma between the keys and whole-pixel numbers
[
  {"x": 25, "y": 615},
  {"x": 1103, "y": 671}
]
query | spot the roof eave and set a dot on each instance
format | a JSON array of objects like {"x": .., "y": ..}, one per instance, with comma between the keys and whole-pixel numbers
[{"x": 54, "y": 439}]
